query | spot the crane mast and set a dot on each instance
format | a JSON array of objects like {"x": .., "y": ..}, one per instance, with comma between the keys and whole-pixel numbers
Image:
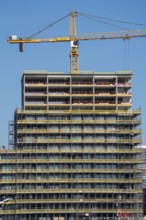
[
  {"x": 74, "y": 54},
  {"x": 74, "y": 39}
]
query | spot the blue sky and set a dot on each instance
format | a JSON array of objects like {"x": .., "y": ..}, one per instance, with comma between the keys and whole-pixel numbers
[{"x": 24, "y": 18}]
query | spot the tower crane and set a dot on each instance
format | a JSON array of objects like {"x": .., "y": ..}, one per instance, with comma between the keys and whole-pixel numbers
[{"x": 74, "y": 39}]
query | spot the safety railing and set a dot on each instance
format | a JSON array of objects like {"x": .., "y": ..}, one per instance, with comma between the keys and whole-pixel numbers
[
  {"x": 68, "y": 180},
  {"x": 81, "y": 210},
  {"x": 78, "y": 130},
  {"x": 107, "y": 112},
  {"x": 57, "y": 160},
  {"x": 83, "y": 121},
  {"x": 55, "y": 170},
  {"x": 75, "y": 140},
  {"x": 69, "y": 190}
]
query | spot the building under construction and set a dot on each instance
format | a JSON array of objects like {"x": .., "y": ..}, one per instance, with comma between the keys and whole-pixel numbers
[{"x": 75, "y": 149}]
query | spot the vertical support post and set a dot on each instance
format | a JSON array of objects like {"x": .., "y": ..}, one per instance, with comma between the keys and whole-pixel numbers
[{"x": 74, "y": 65}]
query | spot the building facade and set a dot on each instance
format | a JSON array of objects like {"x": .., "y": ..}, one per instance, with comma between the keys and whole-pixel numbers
[{"x": 75, "y": 151}]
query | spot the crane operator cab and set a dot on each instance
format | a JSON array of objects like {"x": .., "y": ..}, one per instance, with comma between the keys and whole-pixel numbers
[{"x": 74, "y": 44}]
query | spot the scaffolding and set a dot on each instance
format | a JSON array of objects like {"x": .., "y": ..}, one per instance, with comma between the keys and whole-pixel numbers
[{"x": 76, "y": 149}]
